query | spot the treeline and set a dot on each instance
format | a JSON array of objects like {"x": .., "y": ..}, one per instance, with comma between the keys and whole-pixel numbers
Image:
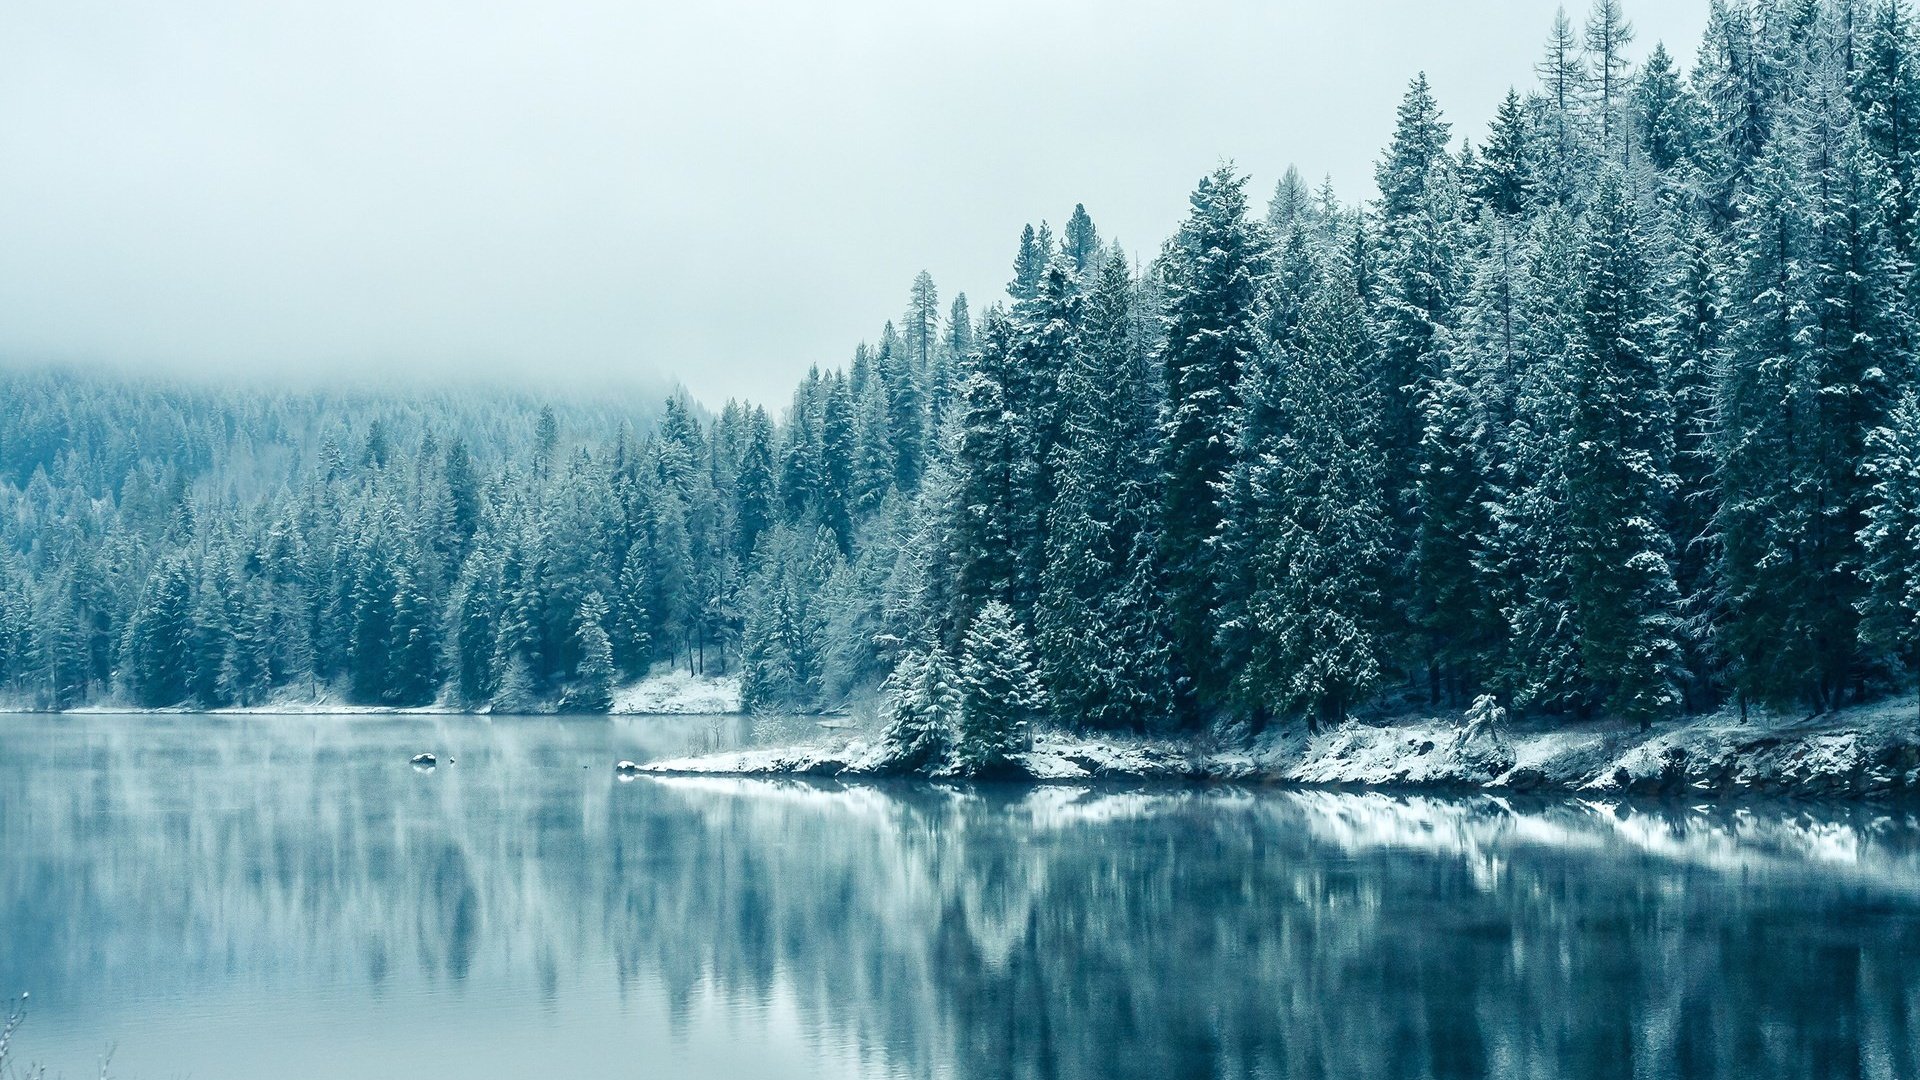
[
  {"x": 171, "y": 544},
  {"x": 1611, "y": 409}
]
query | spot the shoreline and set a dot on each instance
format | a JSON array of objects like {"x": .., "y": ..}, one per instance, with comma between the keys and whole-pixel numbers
[
  {"x": 1865, "y": 752},
  {"x": 663, "y": 694}
]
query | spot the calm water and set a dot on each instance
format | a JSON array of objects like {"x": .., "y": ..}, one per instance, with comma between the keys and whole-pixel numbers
[{"x": 286, "y": 897}]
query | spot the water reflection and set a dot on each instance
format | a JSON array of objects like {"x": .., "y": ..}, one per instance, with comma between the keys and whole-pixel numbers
[{"x": 191, "y": 886}]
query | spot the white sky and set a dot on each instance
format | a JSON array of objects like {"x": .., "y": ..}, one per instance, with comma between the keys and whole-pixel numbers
[{"x": 720, "y": 191}]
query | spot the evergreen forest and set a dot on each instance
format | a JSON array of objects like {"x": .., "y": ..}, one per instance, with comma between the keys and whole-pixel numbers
[{"x": 1609, "y": 409}]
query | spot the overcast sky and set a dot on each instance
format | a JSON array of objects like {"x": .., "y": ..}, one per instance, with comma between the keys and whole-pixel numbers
[{"x": 718, "y": 191}]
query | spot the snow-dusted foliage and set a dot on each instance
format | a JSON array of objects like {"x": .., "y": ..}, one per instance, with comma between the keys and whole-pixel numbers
[
  {"x": 1000, "y": 693},
  {"x": 1598, "y": 411},
  {"x": 921, "y": 703}
]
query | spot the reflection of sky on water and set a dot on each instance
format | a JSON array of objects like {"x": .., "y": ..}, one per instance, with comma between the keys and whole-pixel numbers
[{"x": 285, "y": 896}]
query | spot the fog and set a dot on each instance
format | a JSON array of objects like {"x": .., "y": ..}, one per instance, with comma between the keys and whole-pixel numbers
[{"x": 723, "y": 192}]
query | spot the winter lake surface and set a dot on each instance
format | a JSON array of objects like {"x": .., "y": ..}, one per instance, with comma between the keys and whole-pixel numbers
[{"x": 256, "y": 897}]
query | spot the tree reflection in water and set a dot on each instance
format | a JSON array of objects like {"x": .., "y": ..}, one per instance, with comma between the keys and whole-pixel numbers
[{"x": 916, "y": 930}]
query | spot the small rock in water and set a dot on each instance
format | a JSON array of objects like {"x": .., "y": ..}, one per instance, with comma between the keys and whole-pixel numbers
[
  {"x": 424, "y": 762},
  {"x": 626, "y": 770}
]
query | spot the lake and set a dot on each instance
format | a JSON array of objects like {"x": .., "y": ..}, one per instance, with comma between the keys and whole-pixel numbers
[{"x": 224, "y": 897}]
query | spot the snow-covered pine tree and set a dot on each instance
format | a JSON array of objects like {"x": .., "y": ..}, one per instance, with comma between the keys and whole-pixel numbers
[
  {"x": 1421, "y": 284},
  {"x": 1312, "y": 485},
  {"x": 1691, "y": 340},
  {"x": 592, "y": 689},
  {"x": 1036, "y": 248},
  {"x": 1001, "y": 694},
  {"x": 1662, "y": 112},
  {"x": 1890, "y": 607},
  {"x": 1886, "y": 96},
  {"x": 921, "y": 705},
  {"x": 1526, "y": 556},
  {"x": 920, "y": 328},
  {"x": 474, "y": 611},
  {"x": 1292, "y": 204},
  {"x": 1046, "y": 342},
  {"x": 1103, "y": 657},
  {"x": 1080, "y": 241},
  {"x": 413, "y": 652},
  {"x": 1212, "y": 273},
  {"x": 1504, "y": 180},
  {"x": 755, "y": 487},
  {"x": 992, "y": 475},
  {"x": 1619, "y": 447},
  {"x": 1808, "y": 376}
]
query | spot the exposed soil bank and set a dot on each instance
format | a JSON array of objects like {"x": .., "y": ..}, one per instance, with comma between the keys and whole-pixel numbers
[{"x": 1865, "y": 752}]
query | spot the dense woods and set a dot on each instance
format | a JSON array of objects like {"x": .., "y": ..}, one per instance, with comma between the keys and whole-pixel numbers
[{"x": 1609, "y": 408}]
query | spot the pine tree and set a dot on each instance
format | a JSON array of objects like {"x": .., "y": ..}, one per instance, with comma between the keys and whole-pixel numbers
[
  {"x": 1886, "y": 95},
  {"x": 1417, "y": 310},
  {"x": 1000, "y": 693},
  {"x": 1080, "y": 242},
  {"x": 1419, "y": 144},
  {"x": 1663, "y": 112},
  {"x": 413, "y": 648},
  {"x": 592, "y": 690},
  {"x": 921, "y": 705},
  {"x": 1212, "y": 273},
  {"x": 1608, "y": 35},
  {"x": 754, "y": 488},
  {"x": 1314, "y": 507},
  {"x": 837, "y": 442},
  {"x": 516, "y": 692},
  {"x": 1103, "y": 658},
  {"x": 906, "y": 418},
  {"x": 1292, "y": 203},
  {"x": 630, "y": 628},
  {"x": 921, "y": 326},
  {"x": 942, "y": 381},
  {"x": 1564, "y": 82},
  {"x": 250, "y": 669},
  {"x": 1505, "y": 179},
  {"x": 475, "y": 608},
  {"x": 1617, "y": 473},
  {"x": 1692, "y": 343},
  {"x": 1806, "y": 380},
  {"x": 157, "y": 636},
  {"x": 209, "y": 645},
  {"x": 1890, "y": 607},
  {"x": 1729, "y": 77},
  {"x": 1526, "y": 555},
  {"x": 992, "y": 465},
  {"x": 1028, "y": 264}
]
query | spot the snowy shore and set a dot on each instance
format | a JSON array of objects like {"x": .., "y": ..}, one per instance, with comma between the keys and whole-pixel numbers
[
  {"x": 664, "y": 693},
  {"x": 1865, "y": 752}
]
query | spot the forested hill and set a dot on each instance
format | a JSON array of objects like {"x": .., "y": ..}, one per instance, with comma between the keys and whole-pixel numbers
[{"x": 1610, "y": 407}]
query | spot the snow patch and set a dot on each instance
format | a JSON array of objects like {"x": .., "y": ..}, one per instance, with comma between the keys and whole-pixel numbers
[{"x": 678, "y": 693}]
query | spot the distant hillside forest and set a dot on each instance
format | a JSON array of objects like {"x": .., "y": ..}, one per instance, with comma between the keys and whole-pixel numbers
[{"x": 1609, "y": 408}]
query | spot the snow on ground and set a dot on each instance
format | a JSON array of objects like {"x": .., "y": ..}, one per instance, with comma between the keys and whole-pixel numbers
[
  {"x": 760, "y": 761},
  {"x": 1865, "y": 751},
  {"x": 680, "y": 693},
  {"x": 663, "y": 692},
  {"x": 293, "y": 703}
]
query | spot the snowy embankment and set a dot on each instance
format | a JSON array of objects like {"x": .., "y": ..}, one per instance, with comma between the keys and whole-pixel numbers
[
  {"x": 1856, "y": 753},
  {"x": 679, "y": 693}
]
